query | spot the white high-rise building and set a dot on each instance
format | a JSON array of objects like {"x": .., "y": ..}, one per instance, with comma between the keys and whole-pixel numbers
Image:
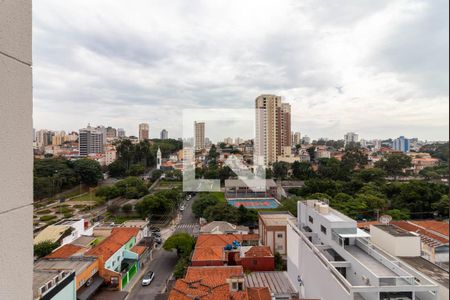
[
  {"x": 228, "y": 141},
  {"x": 351, "y": 138},
  {"x": 158, "y": 159},
  {"x": 306, "y": 140},
  {"x": 239, "y": 141},
  {"x": 273, "y": 128},
  {"x": 91, "y": 141},
  {"x": 329, "y": 258},
  {"x": 199, "y": 135}
]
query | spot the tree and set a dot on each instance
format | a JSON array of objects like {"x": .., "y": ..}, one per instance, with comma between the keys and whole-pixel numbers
[
  {"x": 371, "y": 175},
  {"x": 113, "y": 209},
  {"x": 153, "y": 205},
  {"x": 136, "y": 169},
  {"x": 127, "y": 208},
  {"x": 399, "y": 214},
  {"x": 44, "y": 248},
  {"x": 279, "y": 262},
  {"x": 202, "y": 203},
  {"x": 222, "y": 212},
  {"x": 302, "y": 170},
  {"x": 117, "y": 169},
  {"x": 394, "y": 164},
  {"x": 88, "y": 170},
  {"x": 330, "y": 168},
  {"x": 182, "y": 242},
  {"x": 108, "y": 192},
  {"x": 354, "y": 157},
  {"x": 246, "y": 216},
  {"x": 441, "y": 206},
  {"x": 156, "y": 174},
  {"x": 280, "y": 169}
]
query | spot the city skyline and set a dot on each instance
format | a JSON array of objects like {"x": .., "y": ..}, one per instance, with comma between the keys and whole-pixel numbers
[{"x": 348, "y": 68}]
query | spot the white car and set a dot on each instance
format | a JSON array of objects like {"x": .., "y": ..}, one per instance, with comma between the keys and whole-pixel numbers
[
  {"x": 182, "y": 208},
  {"x": 148, "y": 278}
]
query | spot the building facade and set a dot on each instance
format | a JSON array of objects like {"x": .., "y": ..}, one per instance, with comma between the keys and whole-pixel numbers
[
  {"x": 401, "y": 144},
  {"x": 91, "y": 141},
  {"x": 273, "y": 128},
  {"x": 326, "y": 249},
  {"x": 199, "y": 135},
  {"x": 164, "y": 134},
  {"x": 272, "y": 230},
  {"x": 351, "y": 138},
  {"x": 144, "y": 129}
]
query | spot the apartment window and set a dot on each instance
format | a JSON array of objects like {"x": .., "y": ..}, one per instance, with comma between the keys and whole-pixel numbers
[
  {"x": 279, "y": 235},
  {"x": 311, "y": 220},
  {"x": 234, "y": 286},
  {"x": 323, "y": 229}
]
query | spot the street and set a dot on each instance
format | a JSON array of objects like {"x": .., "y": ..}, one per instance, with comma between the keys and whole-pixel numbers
[{"x": 163, "y": 262}]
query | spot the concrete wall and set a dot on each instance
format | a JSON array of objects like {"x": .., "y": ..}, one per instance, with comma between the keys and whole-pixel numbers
[
  {"x": 403, "y": 246},
  {"x": 16, "y": 238}
]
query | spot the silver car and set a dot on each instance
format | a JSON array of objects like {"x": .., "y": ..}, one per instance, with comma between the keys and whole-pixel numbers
[{"x": 148, "y": 278}]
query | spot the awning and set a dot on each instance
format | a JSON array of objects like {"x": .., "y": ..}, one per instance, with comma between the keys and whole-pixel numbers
[
  {"x": 87, "y": 291},
  {"x": 351, "y": 233}
]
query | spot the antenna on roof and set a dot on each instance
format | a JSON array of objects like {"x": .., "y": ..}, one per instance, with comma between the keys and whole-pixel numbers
[{"x": 385, "y": 219}]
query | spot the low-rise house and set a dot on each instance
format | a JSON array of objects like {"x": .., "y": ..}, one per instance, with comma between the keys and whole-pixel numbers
[
  {"x": 272, "y": 230},
  {"x": 214, "y": 283},
  {"x": 117, "y": 262},
  {"x": 64, "y": 231},
  {"x": 87, "y": 280},
  {"x": 232, "y": 249},
  {"x": 143, "y": 226},
  {"x": 68, "y": 250},
  {"x": 222, "y": 227},
  {"x": 54, "y": 284}
]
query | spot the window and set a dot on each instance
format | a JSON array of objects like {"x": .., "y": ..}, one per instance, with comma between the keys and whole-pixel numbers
[
  {"x": 234, "y": 286},
  {"x": 280, "y": 235},
  {"x": 323, "y": 229},
  {"x": 311, "y": 220},
  {"x": 240, "y": 286}
]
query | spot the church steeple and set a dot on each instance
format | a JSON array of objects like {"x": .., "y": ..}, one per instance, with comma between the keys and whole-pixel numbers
[{"x": 158, "y": 159}]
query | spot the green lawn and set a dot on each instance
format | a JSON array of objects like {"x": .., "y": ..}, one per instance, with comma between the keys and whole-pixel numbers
[
  {"x": 88, "y": 197},
  {"x": 220, "y": 196}
]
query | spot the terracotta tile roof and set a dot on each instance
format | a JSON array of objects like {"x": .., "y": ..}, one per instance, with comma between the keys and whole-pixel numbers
[
  {"x": 259, "y": 251},
  {"x": 250, "y": 237},
  {"x": 66, "y": 251},
  {"x": 215, "y": 240},
  {"x": 208, "y": 283},
  {"x": 139, "y": 250},
  {"x": 426, "y": 236},
  {"x": 260, "y": 293},
  {"x": 208, "y": 253},
  {"x": 437, "y": 226},
  {"x": 119, "y": 236}
]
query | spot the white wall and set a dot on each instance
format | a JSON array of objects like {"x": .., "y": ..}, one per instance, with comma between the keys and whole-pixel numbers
[
  {"x": 403, "y": 246},
  {"x": 16, "y": 160}
]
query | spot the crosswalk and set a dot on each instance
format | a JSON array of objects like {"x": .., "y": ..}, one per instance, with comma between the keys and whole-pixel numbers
[{"x": 192, "y": 229}]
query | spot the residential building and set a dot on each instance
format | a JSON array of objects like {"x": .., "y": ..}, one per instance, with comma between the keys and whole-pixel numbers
[
  {"x": 64, "y": 231},
  {"x": 273, "y": 128},
  {"x": 321, "y": 153},
  {"x": 118, "y": 264},
  {"x": 144, "y": 130},
  {"x": 326, "y": 247},
  {"x": 256, "y": 258},
  {"x": 306, "y": 140},
  {"x": 103, "y": 130},
  {"x": 164, "y": 134},
  {"x": 91, "y": 141},
  {"x": 111, "y": 133},
  {"x": 110, "y": 156},
  {"x": 222, "y": 227},
  {"x": 54, "y": 284},
  {"x": 238, "y": 141},
  {"x": 272, "y": 230},
  {"x": 228, "y": 141},
  {"x": 58, "y": 138},
  {"x": 401, "y": 144},
  {"x": 350, "y": 138},
  {"x": 86, "y": 268},
  {"x": 213, "y": 283},
  {"x": 199, "y": 135},
  {"x": 121, "y": 133},
  {"x": 222, "y": 249},
  {"x": 296, "y": 139}
]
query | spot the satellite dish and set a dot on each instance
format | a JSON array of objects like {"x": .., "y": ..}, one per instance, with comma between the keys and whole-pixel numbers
[{"x": 385, "y": 219}]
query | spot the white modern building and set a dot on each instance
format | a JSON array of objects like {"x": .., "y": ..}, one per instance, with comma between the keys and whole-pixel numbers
[
  {"x": 331, "y": 259},
  {"x": 350, "y": 138}
]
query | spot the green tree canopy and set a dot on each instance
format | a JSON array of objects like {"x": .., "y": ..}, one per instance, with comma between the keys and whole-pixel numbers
[
  {"x": 394, "y": 163},
  {"x": 44, "y": 248},
  {"x": 182, "y": 242},
  {"x": 88, "y": 170}
]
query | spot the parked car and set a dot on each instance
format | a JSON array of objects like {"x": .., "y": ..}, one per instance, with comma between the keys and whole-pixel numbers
[
  {"x": 148, "y": 278},
  {"x": 158, "y": 240},
  {"x": 182, "y": 208},
  {"x": 155, "y": 229},
  {"x": 156, "y": 234}
]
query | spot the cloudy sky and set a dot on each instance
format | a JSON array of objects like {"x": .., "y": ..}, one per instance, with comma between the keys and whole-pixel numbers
[{"x": 379, "y": 68}]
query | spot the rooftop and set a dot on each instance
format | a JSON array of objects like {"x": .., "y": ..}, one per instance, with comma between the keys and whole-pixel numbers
[
  {"x": 394, "y": 230},
  {"x": 429, "y": 269},
  {"x": 84, "y": 240},
  {"x": 250, "y": 183},
  {"x": 139, "y": 250},
  {"x": 78, "y": 264},
  {"x": 110, "y": 245},
  {"x": 276, "y": 218},
  {"x": 51, "y": 233},
  {"x": 222, "y": 226},
  {"x": 67, "y": 250},
  {"x": 277, "y": 282},
  {"x": 258, "y": 251},
  {"x": 42, "y": 277}
]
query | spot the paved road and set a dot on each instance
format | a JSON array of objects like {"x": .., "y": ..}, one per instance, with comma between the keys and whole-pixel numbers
[{"x": 164, "y": 262}]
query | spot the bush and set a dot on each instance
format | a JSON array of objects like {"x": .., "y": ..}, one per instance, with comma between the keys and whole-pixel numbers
[
  {"x": 181, "y": 268},
  {"x": 47, "y": 218},
  {"x": 44, "y": 248},
  {"x": 79, "y": 206},
  {"x": 65, "y": 210},
  {"x": 68, "y": 215},
  {"x": 127, "y": 208},
  {"x": 44, "y": 211}
]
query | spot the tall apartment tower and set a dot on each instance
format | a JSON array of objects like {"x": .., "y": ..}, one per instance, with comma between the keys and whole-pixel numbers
[
  {"x": 401, "y": 144},
  {"x": 199, "y": 130},
  {"x": 111, "y": 132},
  {"x": 164, "y": 134},
  {"x": 296, "y": 139},
  {"x": 273, "y": 128},
  {"x": 351, "y": 138},
  {"x": 91, "y": 141},
  {"x": 143, "y": 131},
  {"x": 120, "y": 133}
]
